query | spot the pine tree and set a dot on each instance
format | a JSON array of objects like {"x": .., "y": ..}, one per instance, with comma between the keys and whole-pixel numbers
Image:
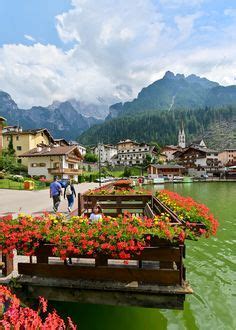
[{"x": 11, "y": 151}]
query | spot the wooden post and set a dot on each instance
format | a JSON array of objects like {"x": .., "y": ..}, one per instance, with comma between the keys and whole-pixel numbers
[
  {"x": 101, "y": 260},
  {"x": 118, "y": 204},
  {"x": 79, "y": 204},
  {"x": 181, "y": 268},
  {"x": 8, "y": 265}
]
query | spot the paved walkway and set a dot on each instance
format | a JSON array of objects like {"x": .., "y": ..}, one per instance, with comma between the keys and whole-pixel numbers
[{"x": 34, "y": 202}]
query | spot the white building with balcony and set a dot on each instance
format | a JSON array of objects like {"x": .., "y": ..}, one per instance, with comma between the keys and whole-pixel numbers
[
  {"x": 132, "y": 153},
  {"x": 106, "y": 151},
  {"x": 48, "y": 161}
]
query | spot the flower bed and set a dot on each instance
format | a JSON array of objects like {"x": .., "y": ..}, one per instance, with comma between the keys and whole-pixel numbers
[
  {"x": 14, "y": 316},
  {"x": 121, "y": 237},
  {"x": 122, "y": 184},
  {"x": 118, "y": 192},
  {"x": 191, "y": 212}
]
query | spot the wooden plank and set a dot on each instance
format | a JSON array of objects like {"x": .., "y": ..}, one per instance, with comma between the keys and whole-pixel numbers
[
  {"x": 119, "y": 207},
  {"x": 80, "y": 207},
  {"x": 159, "y": 254},
  {"x": 162, "y": 277},
  {"x": 148, "y": 211},
  {"x": 164, "y": 253},
  {"x": 159, "y": 205},
  {"x": 92, "y": 198},
  {"x": 8, "y": 269}
]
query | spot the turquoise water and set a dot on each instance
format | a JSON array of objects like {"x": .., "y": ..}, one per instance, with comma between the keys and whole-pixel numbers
[{"x": 211, "y": 266}]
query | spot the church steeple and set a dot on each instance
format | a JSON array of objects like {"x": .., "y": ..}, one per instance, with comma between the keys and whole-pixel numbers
[{"x": 181, "y": 137}]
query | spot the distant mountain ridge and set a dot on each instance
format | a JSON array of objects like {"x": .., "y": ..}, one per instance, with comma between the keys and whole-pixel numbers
[
  {"x": 175, "y": 92},
  {"x": 63, "y": 120},
  {"x": 156, "y": 113}
]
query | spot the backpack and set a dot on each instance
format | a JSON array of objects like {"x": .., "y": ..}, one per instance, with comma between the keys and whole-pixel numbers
[{"x": 68, "y": 190}]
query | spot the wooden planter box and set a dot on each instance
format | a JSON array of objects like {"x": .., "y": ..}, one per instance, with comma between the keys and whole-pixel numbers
[{"x": 160, "y": 264}]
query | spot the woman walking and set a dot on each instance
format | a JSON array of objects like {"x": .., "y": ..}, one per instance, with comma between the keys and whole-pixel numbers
[{"x": 70, "y": 193}]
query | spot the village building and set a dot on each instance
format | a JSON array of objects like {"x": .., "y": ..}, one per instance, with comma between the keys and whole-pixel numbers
[
  {"x": 198, "y": 161},
  {"x": 198, "y": 144},
  {"x": 162, "y": 158},
  {"x": 227, "y": 157},
  {"x": 51, "y": 160},
  {"x": 168, "y": 170},
  {"x": 2, "y": 120},
  {"x": 105, "y": 152},
  {"x": 61, "y": 142},
  {"x": 169, "y": 151},
  {"x": 133, "y": 153},
  {"x": 25, "y": 140},
  {"x": 82, "y": 149}
]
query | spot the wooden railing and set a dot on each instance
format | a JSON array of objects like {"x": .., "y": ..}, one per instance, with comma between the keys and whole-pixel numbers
[
  {"x": 114, "y": 205},
  {"x": 161, "y": 263}
]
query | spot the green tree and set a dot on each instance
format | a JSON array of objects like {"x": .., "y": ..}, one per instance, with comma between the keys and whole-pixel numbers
[
  {"x": 90, "y": 158},
  {"x": 11, "y": 151},
  {"x": 127, "y": 172}
]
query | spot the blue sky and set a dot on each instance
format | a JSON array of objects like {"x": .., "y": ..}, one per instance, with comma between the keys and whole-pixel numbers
[
  {"x": 33, "y": 18},
  {"x": 110, "y": 49}
]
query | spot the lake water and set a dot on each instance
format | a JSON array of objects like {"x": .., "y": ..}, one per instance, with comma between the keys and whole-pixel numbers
[{"x": 211, "y": 269}]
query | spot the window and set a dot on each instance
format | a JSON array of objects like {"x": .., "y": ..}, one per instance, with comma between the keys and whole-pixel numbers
[
  {"x": 18, "y": 148},
  {"x": 71, "y": 166},
  {"x": 17, "y": 138},
  {"x": 41, "y": 134},
  {"x": 19, "y": 161},
  {"x": 42, "y": 165},
  {"x": 34, "y": 165}
]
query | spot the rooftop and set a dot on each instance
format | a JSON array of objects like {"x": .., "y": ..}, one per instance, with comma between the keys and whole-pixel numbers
[
  {"x": 167, "y": 166},
  {"x": 51, "y": 151}
]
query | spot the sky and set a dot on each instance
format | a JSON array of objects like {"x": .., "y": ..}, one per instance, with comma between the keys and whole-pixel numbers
[{"x": 108, "y": 50}]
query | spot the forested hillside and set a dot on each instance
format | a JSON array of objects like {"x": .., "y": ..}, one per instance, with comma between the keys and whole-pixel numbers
[{"x": 162, "y": 127}]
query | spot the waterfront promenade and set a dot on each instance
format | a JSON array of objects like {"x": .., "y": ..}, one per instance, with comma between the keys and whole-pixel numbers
[{"x": 34, "y": 202}]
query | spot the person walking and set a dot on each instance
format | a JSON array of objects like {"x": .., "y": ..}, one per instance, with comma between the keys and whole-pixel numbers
[
  {"x": 55, "y": 193},
  {"x": 70, "y": 193}
]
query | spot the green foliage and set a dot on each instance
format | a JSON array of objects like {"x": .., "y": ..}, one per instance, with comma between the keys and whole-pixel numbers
[
  {"x": 127, "y": 172},
  {"x": 9, "y": 164},
  {"x": 10, "y": 150},
  {"x": 90, "y": 158},
  {"x": 160, "y": 126}
]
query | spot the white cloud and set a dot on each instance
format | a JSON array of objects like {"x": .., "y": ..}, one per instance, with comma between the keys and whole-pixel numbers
[
  {"x": 185, "y": 24},
  {"x": 29, "y": 37},
  {"x": 118, "y": 48},
  {"x": 177, "y": 3}
]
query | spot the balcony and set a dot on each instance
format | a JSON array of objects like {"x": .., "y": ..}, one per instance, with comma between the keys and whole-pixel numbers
[{"x": 70, "y": 171}]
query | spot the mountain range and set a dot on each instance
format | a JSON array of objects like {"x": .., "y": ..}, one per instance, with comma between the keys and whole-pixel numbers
[
  {"x": 154, "y": 116},
  {"x": 177, "y": 92},
  {"x": 63, "y": 119},
  {"x": 157, "y": 112}
]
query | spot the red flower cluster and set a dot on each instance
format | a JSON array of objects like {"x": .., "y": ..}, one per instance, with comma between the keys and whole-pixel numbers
[
  {"x": 190, "y": 212},
  {"x": 122, "y": 237},
  {"x": 14, "y": 316},
  {"x": 118, "y": 191}
]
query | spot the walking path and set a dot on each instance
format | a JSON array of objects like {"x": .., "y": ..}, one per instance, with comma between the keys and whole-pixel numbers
[{"x": 35, "y": 202}]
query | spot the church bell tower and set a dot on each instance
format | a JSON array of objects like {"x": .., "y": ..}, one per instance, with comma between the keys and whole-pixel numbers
[{"x": 181, "y": 137}]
